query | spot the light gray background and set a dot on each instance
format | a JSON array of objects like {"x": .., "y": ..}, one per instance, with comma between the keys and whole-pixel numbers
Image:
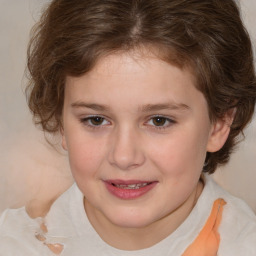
[{"x": 31, "y": 172}]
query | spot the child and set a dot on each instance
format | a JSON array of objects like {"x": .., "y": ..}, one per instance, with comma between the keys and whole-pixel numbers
[{"x": 149, "y": 97}]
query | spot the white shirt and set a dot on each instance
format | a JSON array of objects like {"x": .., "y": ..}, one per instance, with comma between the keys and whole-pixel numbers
[{"x": 68, "y": 224}]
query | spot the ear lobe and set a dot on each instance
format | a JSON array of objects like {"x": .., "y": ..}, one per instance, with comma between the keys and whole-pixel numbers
[
  {"x": 63, "y": 140},
  {"x": 220, "y": 131},
  {"x": 64, "y": 143}
]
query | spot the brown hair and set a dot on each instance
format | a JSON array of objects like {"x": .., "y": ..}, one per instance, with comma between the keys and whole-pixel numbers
[{"x": 206, "y": 35}]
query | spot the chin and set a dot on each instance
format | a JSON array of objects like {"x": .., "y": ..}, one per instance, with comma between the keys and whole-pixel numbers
[{"x": 133, "y": 220}]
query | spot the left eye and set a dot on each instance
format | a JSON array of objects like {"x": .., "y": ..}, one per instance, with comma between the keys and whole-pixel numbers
[
  {"x": 94, "y": 121},
  {"x": 160, "y": 121},
  {"x": 97, "y": 120}
]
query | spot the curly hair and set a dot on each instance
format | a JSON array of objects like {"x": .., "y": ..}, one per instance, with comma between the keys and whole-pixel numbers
[{"x": 207, "y": 36}]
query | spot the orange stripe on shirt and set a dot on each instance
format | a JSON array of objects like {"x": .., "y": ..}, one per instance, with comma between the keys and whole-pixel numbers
[{"x": 208, "y": 240}]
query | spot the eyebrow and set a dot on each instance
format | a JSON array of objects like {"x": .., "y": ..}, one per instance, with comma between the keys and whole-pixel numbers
[
  {"x": 93, "y": 106},
  {"x": 167, "y": 106},
  {"x": 145, "y": 108}
]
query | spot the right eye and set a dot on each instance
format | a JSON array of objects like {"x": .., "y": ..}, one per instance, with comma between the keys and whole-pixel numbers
[
  {"x": 160, "y": 122},
  {"x": 95, "y": 121}
]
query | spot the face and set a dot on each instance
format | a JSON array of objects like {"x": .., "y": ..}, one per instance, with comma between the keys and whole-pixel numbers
[{"x": 136, "y": 130}]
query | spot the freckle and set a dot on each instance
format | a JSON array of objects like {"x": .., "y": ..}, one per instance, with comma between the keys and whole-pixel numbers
[{"x": 55, "y": 248}]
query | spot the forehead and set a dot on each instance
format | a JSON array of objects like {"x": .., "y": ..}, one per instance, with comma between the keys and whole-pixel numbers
[
  {"x": 142, "y": 57},
  {"x": 134, "y": 80},
  {"x": 145, "y": 52},
  {"x": 133, "y": 64}
]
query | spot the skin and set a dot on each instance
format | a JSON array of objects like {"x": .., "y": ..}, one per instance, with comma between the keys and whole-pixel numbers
[{"x": 127, "y": 91}]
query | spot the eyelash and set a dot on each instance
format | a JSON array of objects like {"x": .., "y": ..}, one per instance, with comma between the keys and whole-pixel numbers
[{"x": 87, "y": 122}]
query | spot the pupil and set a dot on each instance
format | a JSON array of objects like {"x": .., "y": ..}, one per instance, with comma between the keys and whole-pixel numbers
[
  {"x": 97, "y": 120},
  {"x": 159, "y": 121}
]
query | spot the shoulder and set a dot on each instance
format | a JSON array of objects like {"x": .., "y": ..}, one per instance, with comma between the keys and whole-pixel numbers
[
  {"x": 18, "y": 231},
  {"x": 66, "y": 214},
  {"x": 238, "y": 229},
  {"x": 13, "y": 221},
  {"x": 238, "y": 225}
]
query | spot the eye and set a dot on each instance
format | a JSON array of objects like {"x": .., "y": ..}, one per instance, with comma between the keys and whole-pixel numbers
[
  {"x": 160, "y": 122},
  {"x": 95, "y": 121}
]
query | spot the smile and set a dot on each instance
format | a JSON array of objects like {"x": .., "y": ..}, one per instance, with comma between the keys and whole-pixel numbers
[
  {"x": 129, "y": 189},
  {"x": 132, "y": 186}
]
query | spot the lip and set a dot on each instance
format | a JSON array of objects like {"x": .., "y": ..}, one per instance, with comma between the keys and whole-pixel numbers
[{"x": 129, "y": 193}]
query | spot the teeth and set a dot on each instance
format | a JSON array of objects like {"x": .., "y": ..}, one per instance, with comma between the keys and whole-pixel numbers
[{"x": 131, "y": 186}]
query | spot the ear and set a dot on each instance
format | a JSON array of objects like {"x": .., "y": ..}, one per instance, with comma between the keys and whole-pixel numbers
[
  {"x": 63, "y": 139},
  {"x": 220, "y": 131}
]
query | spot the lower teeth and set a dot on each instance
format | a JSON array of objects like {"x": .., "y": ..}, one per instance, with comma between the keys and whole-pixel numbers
[{"x": 132, "y": 186}]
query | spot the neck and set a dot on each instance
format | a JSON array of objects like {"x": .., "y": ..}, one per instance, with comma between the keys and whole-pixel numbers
[{"x": 124, "y": 238}]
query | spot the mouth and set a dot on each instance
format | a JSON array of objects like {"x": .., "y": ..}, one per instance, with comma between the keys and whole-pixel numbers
[
  {"x": 131, "y": 189},
  {"x": 132, "y": 186}
]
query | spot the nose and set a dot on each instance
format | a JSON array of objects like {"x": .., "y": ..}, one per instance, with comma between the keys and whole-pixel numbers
[{"x": 126, "y": 152}]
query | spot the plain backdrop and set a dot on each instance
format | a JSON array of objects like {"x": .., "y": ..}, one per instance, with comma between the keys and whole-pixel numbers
[{"x": 33, "y": 173}]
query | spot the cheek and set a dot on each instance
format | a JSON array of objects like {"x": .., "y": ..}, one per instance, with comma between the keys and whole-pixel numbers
[
  {"x": 84, "y": 157},
  {"x": 182, "y": 153}
]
